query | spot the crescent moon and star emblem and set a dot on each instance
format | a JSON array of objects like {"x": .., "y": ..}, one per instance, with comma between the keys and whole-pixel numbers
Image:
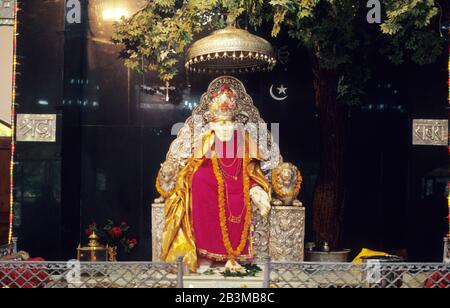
[{"x": 281, "y": 90}]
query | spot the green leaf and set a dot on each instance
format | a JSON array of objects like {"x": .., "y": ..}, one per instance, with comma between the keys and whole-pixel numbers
[{"x": 334, "y": 31}]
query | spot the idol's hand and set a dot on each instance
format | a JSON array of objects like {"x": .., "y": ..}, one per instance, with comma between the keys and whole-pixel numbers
[{"x": 261, "y": 199}]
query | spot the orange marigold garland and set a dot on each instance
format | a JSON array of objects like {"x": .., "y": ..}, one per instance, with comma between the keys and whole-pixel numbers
[
  {"x": 232, "y": 253},
  {"x": 286, "y": 194}
]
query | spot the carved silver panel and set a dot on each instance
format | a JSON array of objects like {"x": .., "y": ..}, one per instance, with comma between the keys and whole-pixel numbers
[
  {"x": 157, "y": 230},
  {"x": 261, "y": 236},
  {"x": 287, "y": 233},
  {"x": 36, "y": 128},
  {"x": 430, "y": 132}
]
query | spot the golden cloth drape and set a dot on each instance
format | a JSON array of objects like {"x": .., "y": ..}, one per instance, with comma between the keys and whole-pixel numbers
[{"x": 178, "y": 236}]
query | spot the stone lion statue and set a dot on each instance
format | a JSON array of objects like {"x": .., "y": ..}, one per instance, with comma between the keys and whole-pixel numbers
[
  {"x": 166, "y": 179},
  {"x": 286, "y": 183}
]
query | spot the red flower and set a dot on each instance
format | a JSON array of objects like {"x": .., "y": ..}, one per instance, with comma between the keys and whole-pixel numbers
[
  {"x": 89, "y": 232},
  {"x": 124, "y": 223},
  {"x": 223, "y": 107},
  {"x": 224, "y": 89},
  {"x": 116, "y": 232},
  {"x": 132, "y": 243}
]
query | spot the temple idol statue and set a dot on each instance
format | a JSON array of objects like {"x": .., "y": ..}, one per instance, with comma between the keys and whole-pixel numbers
[{"x": 216, "y": 182}]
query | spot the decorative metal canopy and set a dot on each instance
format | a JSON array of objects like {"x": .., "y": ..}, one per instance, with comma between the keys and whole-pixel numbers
[{"x": 230, "y": 50}]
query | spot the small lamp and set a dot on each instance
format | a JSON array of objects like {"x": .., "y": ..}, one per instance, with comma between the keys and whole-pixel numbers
[{"x": 94, "y": 251}]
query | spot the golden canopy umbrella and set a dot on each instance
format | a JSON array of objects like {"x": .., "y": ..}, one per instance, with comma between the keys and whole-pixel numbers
[{"x": 230, "y": 50}]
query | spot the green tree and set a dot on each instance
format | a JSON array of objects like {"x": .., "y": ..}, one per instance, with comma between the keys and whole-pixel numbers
[{"x": 340, "y": 42}]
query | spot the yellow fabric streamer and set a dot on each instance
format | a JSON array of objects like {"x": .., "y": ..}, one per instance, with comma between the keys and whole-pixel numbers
[{"x": 368, "y": 253}]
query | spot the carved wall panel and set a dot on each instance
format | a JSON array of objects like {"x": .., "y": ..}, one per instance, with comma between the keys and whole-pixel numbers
[
  {"x": 157, "y": 230},
  {"x": 287, "y": 233}
]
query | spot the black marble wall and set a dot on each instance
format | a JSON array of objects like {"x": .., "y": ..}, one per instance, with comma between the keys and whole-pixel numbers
[
  {"x": 38, "y": 201},
  {"x": 114, "y": 131}
]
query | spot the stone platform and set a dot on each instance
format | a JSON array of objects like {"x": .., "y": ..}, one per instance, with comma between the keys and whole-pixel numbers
[
  {"x": 217, "y": 280},
  {"x": 280, "y": 235}
]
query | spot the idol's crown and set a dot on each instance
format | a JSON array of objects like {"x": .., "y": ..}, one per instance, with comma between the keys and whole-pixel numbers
[{"x": 223, "y": 104}]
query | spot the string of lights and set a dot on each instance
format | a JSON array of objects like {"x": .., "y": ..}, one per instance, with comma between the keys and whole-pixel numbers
[
  {"x": 448, "y": 183},
  {"x": 13, "y": 126}
]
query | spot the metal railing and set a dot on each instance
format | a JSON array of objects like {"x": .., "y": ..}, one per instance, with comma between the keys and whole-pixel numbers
[
  {"x": 74, "y": 274},
  {"x": 349, "y": 275}
]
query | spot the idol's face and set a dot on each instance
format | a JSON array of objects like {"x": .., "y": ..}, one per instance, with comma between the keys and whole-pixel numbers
[{"x": 224, "y": 130}]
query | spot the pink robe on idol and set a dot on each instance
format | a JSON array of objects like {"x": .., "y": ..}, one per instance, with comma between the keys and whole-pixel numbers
[{"x": 205, "y": 206}]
